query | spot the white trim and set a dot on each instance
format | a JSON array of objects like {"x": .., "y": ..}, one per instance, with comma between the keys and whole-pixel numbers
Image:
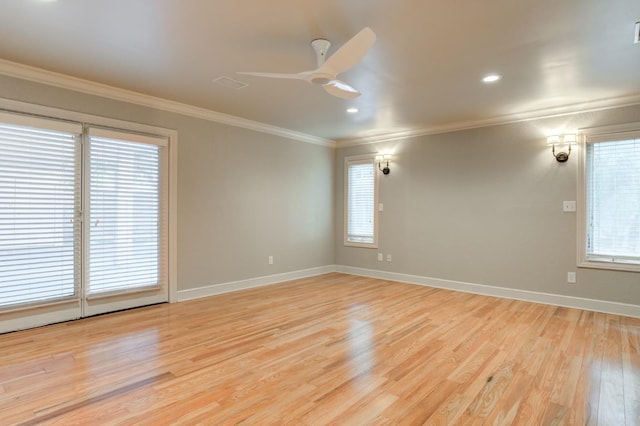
[
  {"x": 609, "y": 130},
  {"x": 11, "y": 106},
  {"x": 502, "y": 292},
  {"x": 173, "y": 218},
  {"x": 594, "y": 305},
  {"x": 561, "y": 111},
  {"x": 99, "y": 132},
  {"x": 100, "y": 305},
  {"x": 581, "y": 204},
  {"x": 40, "y": 123},
  {"x": 215, "y": 289},
  {"x": 38, "y": 75},
  {"x": 38, "y": 318}
]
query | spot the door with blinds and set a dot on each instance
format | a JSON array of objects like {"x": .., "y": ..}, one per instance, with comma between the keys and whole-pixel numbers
[{"x": 83, "y": 221}]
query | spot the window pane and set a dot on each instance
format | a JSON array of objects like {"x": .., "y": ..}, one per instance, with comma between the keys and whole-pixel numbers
[
  {"x": 39, "y": 195},
  {"x": 360, "y": 203},
  {"x": 124, "y": 208},
  {"x": 613, "y": 201}
]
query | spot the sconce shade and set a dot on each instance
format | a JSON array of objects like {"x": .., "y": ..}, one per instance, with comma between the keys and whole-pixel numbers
[{"x": 563, "y": 140}]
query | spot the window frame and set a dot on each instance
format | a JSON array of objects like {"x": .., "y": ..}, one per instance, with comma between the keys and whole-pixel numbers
[
  {"x": 361, "y": 159},
  {"x": 586, "y": 137}
]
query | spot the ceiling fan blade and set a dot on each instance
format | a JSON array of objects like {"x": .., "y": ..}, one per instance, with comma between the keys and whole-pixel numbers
[
  {"x": 350, "y": 53},
  {"x": 341, "y": 89},
  {"x": 298, "y": 76}
]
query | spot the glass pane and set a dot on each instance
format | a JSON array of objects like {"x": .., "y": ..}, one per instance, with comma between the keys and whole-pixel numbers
[
  {"x": 39, "y": 195},
  {"x": 124, "y": 208}
]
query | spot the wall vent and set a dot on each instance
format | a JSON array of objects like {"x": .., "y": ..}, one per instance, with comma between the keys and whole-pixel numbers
[{"x": 230, "y": 83}]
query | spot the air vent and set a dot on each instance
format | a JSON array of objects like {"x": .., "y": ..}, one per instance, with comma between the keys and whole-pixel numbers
[
  {"x": 230, "y": 83},
  {"x": 636, "y": 34}
]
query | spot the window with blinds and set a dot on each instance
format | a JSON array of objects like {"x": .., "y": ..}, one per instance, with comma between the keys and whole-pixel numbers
[
  {"x": 39, "y": 202},
  {"x": 125, "y": 222},
  {"x": 612, "y": 173},
  {"x": 360, "y": 201}
]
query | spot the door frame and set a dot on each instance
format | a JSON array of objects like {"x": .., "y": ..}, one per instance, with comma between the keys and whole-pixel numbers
[{"x": 67, "y": 310}]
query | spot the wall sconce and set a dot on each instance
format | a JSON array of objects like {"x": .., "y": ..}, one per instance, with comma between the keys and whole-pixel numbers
[
  {"x": 380, "y": 159},
  {"x": 560, "y": 140}
]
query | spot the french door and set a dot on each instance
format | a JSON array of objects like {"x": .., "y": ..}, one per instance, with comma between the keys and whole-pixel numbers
[{"x": 83, "y": 220}]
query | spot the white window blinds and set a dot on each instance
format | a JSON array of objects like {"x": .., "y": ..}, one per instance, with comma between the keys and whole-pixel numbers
[
  {"x": 613, "y": 199},
  {"x": 360, "y": 202},
  {"x": 39, "y": 203},
  {"x": 125, "y": 225}
]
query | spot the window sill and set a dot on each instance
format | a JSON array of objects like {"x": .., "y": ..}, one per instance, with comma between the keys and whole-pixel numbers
[
  {"x": 361, "y": 245},
  {"x": 614, "y": 266}
]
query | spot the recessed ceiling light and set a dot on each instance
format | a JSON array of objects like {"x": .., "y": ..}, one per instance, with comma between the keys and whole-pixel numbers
[
  {"x": 491, "y": 78},
  {"x": 352, "y": 110}
]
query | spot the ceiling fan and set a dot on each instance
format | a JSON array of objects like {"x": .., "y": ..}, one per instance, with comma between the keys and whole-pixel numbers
[{"x": 345, "y": 58}]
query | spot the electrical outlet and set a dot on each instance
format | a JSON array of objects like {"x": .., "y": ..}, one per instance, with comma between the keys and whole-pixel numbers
[
  {"x": 568, "y": 206},
  {"x": 636, "y": 34},
  {"x": 571, "y": 277},
  {"x": 380, "y": 207},
  {"x": 380, "y": 257},
  {"x": 270, "y": 260},
  {"x": 388, "y": 258}
]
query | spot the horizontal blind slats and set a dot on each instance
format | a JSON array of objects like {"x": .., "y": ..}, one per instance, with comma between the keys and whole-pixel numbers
[
  {"x": 124, "y": 199},
  {"x": 39, "y": 196},
  {"x": 613, "y": 199},
  {"x": 361, "y": 199}
]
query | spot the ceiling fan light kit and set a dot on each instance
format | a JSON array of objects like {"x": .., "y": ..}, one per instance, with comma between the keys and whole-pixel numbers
[{"x": 326, "y": 73}]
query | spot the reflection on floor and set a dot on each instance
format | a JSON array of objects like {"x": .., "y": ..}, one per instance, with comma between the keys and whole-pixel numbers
[{"x": 330, "y": 349}]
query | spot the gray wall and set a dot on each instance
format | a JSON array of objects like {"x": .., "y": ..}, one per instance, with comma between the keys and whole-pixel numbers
[
  {"x": 484, "y": 206},
  {"x": 480, "y": 206},
  {"x": 242, "y": 195}
]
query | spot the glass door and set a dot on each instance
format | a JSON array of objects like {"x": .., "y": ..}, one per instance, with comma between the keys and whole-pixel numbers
[
  {"x": 83, "y": 221},
  {"x": 125, "y": 255}
]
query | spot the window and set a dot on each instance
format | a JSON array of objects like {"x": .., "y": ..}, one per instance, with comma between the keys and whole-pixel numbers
[
  {"x": 361, "y": 197},
  {"x": 610, "y": 179}
]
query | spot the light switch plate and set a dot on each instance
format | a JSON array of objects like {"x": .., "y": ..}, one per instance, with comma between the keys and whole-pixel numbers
[{"x": 568, "y": 206}]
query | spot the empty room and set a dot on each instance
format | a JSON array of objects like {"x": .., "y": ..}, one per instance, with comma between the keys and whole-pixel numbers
[{"x": 309, "y": 213}]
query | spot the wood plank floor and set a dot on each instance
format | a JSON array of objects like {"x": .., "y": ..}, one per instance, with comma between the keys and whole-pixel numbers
[{"x": 334, "y": 349}]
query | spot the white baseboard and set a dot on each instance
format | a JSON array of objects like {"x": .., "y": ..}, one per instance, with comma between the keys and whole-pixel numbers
[
  {"x": 485, "y": 290},
  {"x": 212, "y": 290},
  {"x": 506, "y": 293}
]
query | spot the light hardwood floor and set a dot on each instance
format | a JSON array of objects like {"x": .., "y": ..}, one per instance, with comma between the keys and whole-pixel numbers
[{"x": 334, "y": 349}]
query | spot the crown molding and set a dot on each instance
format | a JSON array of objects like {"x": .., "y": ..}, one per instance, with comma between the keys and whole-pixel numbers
[
  {"x": 38, "y": 75},
  {"x": 559, "y": 111}
]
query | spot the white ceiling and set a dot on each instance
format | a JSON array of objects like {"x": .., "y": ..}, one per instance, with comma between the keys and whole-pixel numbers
[{"x": 424, "y": 70}]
